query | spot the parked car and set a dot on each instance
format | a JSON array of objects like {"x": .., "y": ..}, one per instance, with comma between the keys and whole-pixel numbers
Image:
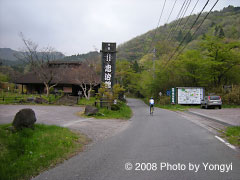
[{"x": 211, "y": 101}]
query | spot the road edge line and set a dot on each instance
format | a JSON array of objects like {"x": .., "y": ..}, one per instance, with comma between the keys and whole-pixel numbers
[{"x": 226, "y": 143}]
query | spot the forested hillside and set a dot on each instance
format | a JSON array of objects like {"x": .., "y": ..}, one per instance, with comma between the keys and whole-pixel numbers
[
  {"x": 11, "y": 58},
  {"x": 91, "y": 56},
  {"x": 227, "y": 20},
  {"x": 211, "y": 59}
]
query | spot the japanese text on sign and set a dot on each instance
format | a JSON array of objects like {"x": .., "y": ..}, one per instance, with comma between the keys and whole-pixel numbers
[{"x": 108, "y": 63}]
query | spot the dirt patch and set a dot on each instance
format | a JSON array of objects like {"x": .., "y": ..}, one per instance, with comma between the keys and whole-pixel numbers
[{"x": 99, "y": 129}]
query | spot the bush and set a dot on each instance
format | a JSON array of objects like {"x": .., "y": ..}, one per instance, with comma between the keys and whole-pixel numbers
[
  {"x": 123, "y": 113},
  {"x": 232, "y": 97},
  {"x": 105, "y": 93},
  {"x": 84, "y": 101},
  {"x": 165, "y": 100},
  {"x": 115, "y": 107}
]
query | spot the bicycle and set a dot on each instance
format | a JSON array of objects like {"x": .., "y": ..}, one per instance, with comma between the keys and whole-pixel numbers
[{"x": 151, "y": 110}]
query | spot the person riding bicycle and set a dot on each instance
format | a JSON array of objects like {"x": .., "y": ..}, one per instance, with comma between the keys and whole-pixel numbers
[{"x": 151, "y": 104}]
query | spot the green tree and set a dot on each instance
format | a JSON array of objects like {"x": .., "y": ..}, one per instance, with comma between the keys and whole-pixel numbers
[
  {"x": 219, "y": 32},
  {"x": 179, "y": 37},
  {"x": 223, "y": 55},
  {"x": 3, "y": 77},
  {"x": 192, "y": 69},
  {"x": 188, "y": 37}
]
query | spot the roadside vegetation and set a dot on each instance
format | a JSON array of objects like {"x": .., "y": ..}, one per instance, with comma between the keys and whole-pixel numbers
[
  {"x": 14, "y": 97},
  {"x": 230, "y": 106},
  {"x": 111, "y": 105},
  {"x": 177, "y": 107},
  {"x": 124, "y": 112},
  {"x": 232, "y": 134},
  {"x": 26, "y": 153},
  {"x": 85, "y": 101},
  {"x": 119, "y": 111}
]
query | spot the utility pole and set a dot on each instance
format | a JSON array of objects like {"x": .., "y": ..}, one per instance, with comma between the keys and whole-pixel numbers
[{"x": 154, "y": 58}]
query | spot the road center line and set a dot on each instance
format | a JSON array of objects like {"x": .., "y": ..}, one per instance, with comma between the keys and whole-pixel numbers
[{"x": 226, "y": 143}]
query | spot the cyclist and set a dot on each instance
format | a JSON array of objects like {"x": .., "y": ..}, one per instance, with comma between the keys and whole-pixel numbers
[{"x": 151, "y": 104}]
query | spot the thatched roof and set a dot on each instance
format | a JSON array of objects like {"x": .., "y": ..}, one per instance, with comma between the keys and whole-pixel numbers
[{"x": 73, "y": 74}]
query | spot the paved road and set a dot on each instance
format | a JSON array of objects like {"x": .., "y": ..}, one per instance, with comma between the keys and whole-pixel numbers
[{"x": 165, "y": 137}]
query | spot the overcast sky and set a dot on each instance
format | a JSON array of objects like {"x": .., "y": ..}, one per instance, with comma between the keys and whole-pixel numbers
[{"x": 79, "y": 26}]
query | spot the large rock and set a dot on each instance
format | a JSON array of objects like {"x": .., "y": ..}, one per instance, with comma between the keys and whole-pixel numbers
[
  {"x": 31, "y": 99},
  {"x": 24, "y": 118},
  {"x": 40, "y": 100},
  {"x": 90, "y": 110}
]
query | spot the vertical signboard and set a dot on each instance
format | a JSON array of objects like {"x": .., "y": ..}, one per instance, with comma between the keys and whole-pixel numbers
[
  {"x": 108, "y": 63},
  {"x": 173, "y": 96}
]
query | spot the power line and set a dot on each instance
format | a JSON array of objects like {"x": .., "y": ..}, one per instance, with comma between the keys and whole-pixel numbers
[
  {"x": 154, "y": 36},
  {"x": 171, "y": 11},
  {"x": 190, "y": 14},
  {"x": 188, "y": 32},
  {"x": 176, "y": 22},
  {"x": 197, "y": 28},
  {"x": 185, "y": 10}
]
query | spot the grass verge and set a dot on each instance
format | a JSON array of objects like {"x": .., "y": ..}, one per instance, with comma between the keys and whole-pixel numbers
[
  {"x": 230, "y": 106},
  {"x": 177, "y": 107},
  {"x": 232, "y": 134},
  {"x": 16, "y": 98},
  {"x": 26, "y": 153},
  {"x": 124, "y": 112},
  {"x": 84, "y": 101}
]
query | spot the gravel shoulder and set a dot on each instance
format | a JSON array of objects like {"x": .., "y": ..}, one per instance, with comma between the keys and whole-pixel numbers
[
  {"x": 66, "y": 116},
  {"x": 229, "y": 116},
  {"x": 214, "y": 120}
]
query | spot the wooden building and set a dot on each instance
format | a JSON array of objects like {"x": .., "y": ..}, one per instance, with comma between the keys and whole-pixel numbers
[{"x": 68, "y": 77}]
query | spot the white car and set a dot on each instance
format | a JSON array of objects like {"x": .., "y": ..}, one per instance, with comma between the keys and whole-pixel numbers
[{"x": 211, "y": 101}]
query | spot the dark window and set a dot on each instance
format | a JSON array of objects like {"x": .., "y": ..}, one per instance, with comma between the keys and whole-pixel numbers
[{"x": 215, "y": 98}]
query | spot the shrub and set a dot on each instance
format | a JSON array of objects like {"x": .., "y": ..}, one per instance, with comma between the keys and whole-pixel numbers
[
  {"x": 165, "y": 100},
  {"x": 232, "y": 97},
  {"x": 115, "y": 107}
]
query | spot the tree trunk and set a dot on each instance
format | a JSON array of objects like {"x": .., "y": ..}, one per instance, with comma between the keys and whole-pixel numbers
[
  {"x": 84, "y": 88},
  {"x": 89, "y": 92},
  {"x": 47, "y": 89}
]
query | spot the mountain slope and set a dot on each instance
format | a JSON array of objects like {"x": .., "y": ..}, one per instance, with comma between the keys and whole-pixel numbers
[
  {"x": 91, "y": 56},
  {"x": 8, "y": 54},
  {"x": 227, "y": 19}
]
